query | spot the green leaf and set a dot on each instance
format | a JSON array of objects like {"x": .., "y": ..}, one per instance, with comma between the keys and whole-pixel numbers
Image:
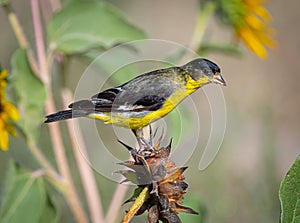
[
  {"x": 25, "y": 196},
  {"x": 117, "y": 64},
  {"x": 135, "y": 195},
  {"x": 196, "y": 204},
  {"x": 84, "y": 25},
  {"x": 177, "y": 56},
  {"x": 224, "y": 48},
  {"x": 130, "y": 176},
  {"x": 179, "y": 123},
  {"x": 9, "y": 179},
  {"x": 289, "y": 195},
  {"x": 4, "y": 2},
  {"x": 30, "y": 92},
  {"x": 50, "y": 213}
]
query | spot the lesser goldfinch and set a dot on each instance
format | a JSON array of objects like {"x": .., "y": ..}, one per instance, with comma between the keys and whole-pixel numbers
[{"x": 146, "y": 98}]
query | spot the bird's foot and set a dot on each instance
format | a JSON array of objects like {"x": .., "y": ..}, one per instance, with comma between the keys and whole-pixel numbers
[{"x": 145, "y": 145}]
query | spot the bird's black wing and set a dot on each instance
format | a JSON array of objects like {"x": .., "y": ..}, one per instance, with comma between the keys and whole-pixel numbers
[
  {"x": 108, "y": 101},
  {"x": 145, "y": 92},
  {"x": 103, "y": 101}
]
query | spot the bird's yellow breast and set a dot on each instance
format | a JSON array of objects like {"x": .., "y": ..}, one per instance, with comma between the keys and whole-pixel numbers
[{"x": 137, "y": 120}]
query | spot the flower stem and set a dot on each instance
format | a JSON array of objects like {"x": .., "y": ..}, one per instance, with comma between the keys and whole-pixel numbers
[
  {"x": 39, "y": 41},
  {"x": 201, "y": 23},
  {"x": 59, "y": 151},
  {"x": 20, "y": 35},
  {"x": 65, "y": 185},
  {"x": 86, "y": 172},
  {"x": 115, "y": 204},
  {"x": 60, "y": 157},
  {"x": 51, "y": 174},
  {"x": 17, "y": 28},
  {"x": 140, "y": 200}
]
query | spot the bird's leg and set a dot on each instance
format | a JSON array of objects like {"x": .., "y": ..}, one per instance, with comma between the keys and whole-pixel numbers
[
  {"x": 151, "y": 136},
  {"x": 138, "y": 133},
  {"x": 144, "y": 144}
]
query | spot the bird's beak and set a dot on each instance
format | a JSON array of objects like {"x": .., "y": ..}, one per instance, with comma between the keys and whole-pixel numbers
[{"x": 218, "y": 79}]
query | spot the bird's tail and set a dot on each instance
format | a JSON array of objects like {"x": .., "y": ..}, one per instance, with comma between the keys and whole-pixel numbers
[{"x": 66, "y": 114}]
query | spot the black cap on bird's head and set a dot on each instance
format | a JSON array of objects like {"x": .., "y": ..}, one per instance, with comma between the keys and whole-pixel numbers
[{"x": 203, "y": 67}]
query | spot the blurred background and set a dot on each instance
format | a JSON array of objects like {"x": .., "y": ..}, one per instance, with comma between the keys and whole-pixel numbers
[{"x": 262, "y": 135}]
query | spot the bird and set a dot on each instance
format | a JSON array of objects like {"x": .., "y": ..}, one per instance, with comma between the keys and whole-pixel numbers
[{"x": 145, "y": 98}]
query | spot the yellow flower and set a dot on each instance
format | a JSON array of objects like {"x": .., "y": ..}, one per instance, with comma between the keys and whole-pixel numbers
[
  {"x": 3, "y": 75},
  {"x": 250, "y": 21},
  {"x": 8, "y": 113},
  {"x": 253, "y": 28}
]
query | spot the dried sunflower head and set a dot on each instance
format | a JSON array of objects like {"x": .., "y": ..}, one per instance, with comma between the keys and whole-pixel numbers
[{"x": 160, "y": 184}]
